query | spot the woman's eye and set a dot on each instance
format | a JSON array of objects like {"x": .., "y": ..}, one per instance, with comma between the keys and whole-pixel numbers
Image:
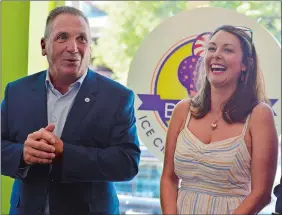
[
  {"x": 211, "y": 49},
  {"x": 228, "y": 50}
]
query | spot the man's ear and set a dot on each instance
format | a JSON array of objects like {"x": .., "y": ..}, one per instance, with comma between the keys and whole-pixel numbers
[{"x": 43, "y": 47}]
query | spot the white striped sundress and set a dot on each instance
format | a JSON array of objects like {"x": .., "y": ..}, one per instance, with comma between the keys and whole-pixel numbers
[{"x": 215, "y": 177}]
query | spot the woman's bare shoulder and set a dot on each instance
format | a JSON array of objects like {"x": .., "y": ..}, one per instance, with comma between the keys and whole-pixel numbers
[
  {"x": 179, "y": 116},
  {"x": 261, "y": 113},
  {"x": 182, "y": 107}
]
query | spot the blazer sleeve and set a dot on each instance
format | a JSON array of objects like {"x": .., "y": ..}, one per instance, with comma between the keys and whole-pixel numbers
[
  {"x": 11, "y": 152},
  {"x": 118, "y": 162}
]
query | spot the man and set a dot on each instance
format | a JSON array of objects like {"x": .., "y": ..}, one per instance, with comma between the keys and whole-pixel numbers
[
  {"x": 67, "y": 133},
  {"x": 277, "y": 193}
]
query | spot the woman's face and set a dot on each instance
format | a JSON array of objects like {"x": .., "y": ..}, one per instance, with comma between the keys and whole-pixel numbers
[{"x": 223, "y": 60}]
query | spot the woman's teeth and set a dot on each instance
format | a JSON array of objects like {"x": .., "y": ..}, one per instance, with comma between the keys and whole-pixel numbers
[{"x": 217, "y": 68}]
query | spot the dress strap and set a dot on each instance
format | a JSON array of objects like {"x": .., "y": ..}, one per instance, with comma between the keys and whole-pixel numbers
[
  {"x": 187, "y": 118},
  {"x": 246, "y": 125}
]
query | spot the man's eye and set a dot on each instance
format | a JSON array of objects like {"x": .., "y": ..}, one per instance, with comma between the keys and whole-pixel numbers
[
  {"x": 82, "y": 39},
  {"x": 62, "y": 37}
]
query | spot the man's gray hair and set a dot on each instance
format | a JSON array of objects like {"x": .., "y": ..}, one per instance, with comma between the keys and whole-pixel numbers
[{"x": 62, "y": 10}]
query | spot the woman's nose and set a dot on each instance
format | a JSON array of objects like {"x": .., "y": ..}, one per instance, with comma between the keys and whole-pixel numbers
[{"x": 217, "y": 54}]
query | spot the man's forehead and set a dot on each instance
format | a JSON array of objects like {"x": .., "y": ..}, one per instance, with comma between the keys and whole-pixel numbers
[{"x": 65, "y": 22}]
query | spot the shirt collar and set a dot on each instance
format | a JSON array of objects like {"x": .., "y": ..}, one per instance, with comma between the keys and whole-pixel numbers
[{"x": 78, "y": 82}]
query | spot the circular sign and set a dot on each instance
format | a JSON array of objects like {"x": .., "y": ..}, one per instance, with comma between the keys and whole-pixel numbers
[{"x": 162, "y": 71}]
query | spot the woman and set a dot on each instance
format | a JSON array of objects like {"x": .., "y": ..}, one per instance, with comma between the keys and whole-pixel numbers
[{"x": 222, "y": 144}]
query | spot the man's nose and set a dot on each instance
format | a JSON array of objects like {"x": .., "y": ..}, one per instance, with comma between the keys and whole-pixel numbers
[{"x": 72, "y": 46}]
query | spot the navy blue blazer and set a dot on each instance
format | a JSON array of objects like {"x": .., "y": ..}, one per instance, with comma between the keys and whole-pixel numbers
[
  {"x": 100, "y": 146},
  {"x": 277, "y": 192}
]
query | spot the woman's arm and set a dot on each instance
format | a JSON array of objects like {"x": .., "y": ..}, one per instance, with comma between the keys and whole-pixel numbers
[
  {"x": 169, "y": 180},
  {"x": 264, "y": 160}
]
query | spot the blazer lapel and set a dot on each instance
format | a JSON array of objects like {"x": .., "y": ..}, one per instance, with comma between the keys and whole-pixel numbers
[
  {"x": 83, "y": 102},
  {"x": 38, "y": 102}
]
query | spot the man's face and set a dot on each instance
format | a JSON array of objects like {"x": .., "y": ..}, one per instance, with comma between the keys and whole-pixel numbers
[{"x": 67, "y": 47}]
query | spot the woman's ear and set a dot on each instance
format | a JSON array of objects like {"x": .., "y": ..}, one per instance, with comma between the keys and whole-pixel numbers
[
  {"x": 250, "y": 63},
  {"x": 243, "y": 67}
]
